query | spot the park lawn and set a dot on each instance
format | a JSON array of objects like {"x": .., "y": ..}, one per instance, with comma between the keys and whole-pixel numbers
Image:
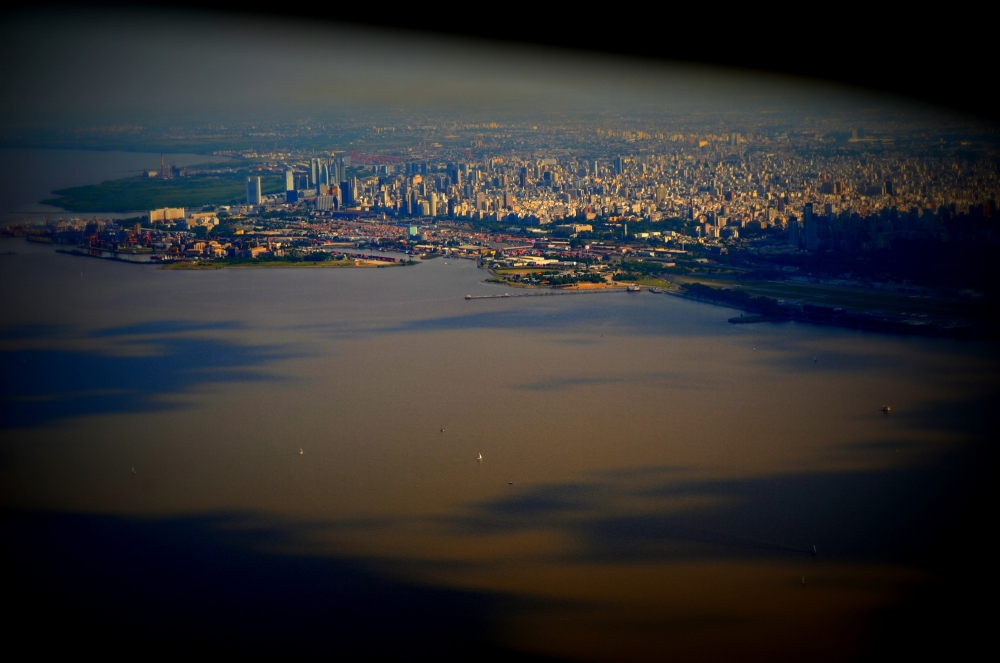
[
  {"x": 525, "y": 270},
  {"x": 142, "y": 194},
  {"x": 269, "y": 263},
  {"x": 655, "y": 282},
  {"x": 845, "y": 296}
]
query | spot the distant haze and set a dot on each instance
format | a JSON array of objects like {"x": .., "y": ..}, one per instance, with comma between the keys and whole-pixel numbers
[{"x": 139, "y": 66}]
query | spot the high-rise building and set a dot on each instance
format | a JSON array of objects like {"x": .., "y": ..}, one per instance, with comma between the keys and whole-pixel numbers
[
  {"x": 619, "y": 165},
  {"x": 809, "y": 228},
  {"x": 793, "y": 231},
  {"x": 347, "y": 193},
  {"x": 289, "y": 180},
  {"x": 313, "y": 172},
  {"x": 253, "y": 191},
  {"x": 433, "y": 204},
  {"x": 342, "y": 163}
]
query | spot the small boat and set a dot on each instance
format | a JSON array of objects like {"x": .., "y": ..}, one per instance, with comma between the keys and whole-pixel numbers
[
  {"x": 633, "y": 288},
  {"x": 133, "y": 470},
  {"x": 468, "y": 296},
  {"x": 301, "y": 453},
  {"x": 656, "y": 290},
  {"x": 480, "y": 457},
  {"x": 886, "y": 409}
]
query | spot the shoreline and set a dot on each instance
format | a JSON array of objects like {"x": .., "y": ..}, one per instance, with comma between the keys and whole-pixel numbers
[
  {"x": 859, "y": 321},
  {"x": 183, "y": 265},
  {"x": 330, "y": 264}
]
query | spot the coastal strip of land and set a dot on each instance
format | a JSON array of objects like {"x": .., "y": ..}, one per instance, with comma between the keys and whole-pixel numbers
[
  {"x": 277, "y": 264},
  {"x": 237, "y": 263}
]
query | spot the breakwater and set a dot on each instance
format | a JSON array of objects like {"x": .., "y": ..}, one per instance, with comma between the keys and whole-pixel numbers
[{"x": 557, "y": 293}]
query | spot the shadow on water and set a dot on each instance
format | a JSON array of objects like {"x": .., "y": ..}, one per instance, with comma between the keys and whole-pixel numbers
[
  {"x": 220, "y": 582},
  {"x": 180, "y": 585},
  {"x": 62, "y": 378},
  {"x": 894, "y": 513},
  {"x": 587, "y": 314}
]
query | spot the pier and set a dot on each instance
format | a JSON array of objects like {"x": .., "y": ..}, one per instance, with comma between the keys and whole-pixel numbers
[{"x": 507, "y": 295}]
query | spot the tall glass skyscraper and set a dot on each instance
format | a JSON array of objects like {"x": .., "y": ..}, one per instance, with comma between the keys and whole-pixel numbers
[{"x": 253, "y": 191}]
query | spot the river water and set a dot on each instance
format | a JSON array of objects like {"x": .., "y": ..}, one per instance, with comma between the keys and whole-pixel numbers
[{"x": 288, "y": 458}]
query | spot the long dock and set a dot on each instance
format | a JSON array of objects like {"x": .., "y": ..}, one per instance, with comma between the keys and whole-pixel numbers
[{"x": 507, "y": 295}]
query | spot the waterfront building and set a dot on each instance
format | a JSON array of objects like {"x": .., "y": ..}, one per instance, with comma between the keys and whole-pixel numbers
[
  {"x": 253, "y": 191},
  {"x": 166, "y": 214},
  {"x": 809, "y": 228},
  {"x": 793, "y": 231}
]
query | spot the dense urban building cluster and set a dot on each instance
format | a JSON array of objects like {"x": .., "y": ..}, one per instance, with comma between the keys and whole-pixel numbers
[
  {"x": 581, "y": 199},
  {"x": 765, "y": 193}
]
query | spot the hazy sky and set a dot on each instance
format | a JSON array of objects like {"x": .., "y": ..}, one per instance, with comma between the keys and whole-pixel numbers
[{"x": 135, "y": 65}]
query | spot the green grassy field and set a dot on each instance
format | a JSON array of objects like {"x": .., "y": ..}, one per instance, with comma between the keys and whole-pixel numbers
[
  {"x": 279, "y": 263},
  {"x": 141, "y": 194},
  {"x": 656, "y": 283},
  {"x": 844, "y": 297}
]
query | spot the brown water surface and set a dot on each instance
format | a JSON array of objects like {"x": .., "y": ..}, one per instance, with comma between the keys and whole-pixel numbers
[{"x": 652, "y": 484}]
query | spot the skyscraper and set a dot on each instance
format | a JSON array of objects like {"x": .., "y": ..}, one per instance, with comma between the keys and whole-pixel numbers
[
  {"x": 809, "y": 226},
  {"x": 253, "y": 191},
  {"x": 289, "y": 180},
  {"x": 347, "y": 194},
  {"x": 619, "y": 165},
  {"x": 793, "y": 231},
  {"x": 313, "y": 172},
  {"x": 341, "y": 166}
]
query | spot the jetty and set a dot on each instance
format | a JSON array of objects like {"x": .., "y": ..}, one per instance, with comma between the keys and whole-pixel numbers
[{"x": 559, "y": 293}]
